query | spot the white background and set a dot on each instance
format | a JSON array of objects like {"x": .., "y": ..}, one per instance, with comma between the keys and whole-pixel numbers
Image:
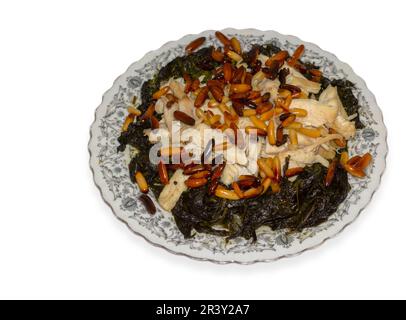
[{"x": 57, "y": 237}]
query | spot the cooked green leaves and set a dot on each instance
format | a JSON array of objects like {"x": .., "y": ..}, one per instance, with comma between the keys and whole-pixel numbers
[{"x": 303, "y": 203}]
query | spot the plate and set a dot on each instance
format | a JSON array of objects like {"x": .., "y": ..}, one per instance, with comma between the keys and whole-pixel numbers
[{"x": 110, "y": 169}]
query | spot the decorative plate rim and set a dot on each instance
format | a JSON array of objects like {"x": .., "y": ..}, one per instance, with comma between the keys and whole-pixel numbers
[{"x": 234, "y": 261}]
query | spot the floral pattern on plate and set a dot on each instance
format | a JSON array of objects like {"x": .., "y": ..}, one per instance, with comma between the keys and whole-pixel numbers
[{"x": 110, "y": 168}]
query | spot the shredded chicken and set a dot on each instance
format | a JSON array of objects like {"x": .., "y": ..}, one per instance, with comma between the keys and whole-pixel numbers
[
  {"x": 297, "y": 79},
  {"x": 271, "y": 86},
  {"x": 232, "y": 172},
  {"x": 341, "y": 124},
  {"x": 318, "y": 114},
  {"x": 172, "y": 191}
]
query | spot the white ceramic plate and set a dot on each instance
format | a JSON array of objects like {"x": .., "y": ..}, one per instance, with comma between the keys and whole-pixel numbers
[{"x": 112, "y": 178}]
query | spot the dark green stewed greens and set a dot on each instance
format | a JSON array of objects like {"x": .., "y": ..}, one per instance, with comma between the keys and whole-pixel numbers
[{"x": 304, "y": 203}]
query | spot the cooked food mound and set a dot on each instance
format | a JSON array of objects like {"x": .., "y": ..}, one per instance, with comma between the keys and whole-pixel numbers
[{"x": 233, "y": 139}]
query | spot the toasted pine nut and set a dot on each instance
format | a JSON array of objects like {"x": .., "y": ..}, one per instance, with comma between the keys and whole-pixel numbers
[
  {"x": 253, "y": 192},
  {"x": 228, "y": 72},
  {"x": 188, "y": 82},
  {"x": 216, "y": 83},
  {"x": 241, "y": 95},
  {"x": 257, "y": 100},
  {"x": 171, "y": 151},
  {"x": 287, "y": 102},
  {"x": 354, "y": 171},
  {"x": 288, "y": 121},
  {"x": 264, "y": 107},
  {"x": 296, "y": 55},
  {"x": 192, "y": 46},
  {"x": 163, "y": 173},
  {"x": 277, "y": 168},
  {"x": 236, "y": 45},
  {"x": 246, "y": 181},
  {"x": 327, "y": 154},
  {"x": 209, "y": 113},
  {"x": 212, "y": 103},
  {"x": 258, "y": 123},
  {"x": 293, "y": 89},
  {"x": 313, "y": 133},
  {"x": 237, "y": 190},
  {"x": 234, "y": 116},
  {"x": 293, "y": 172},
  {"x": 315, "y": 79},
  {"x": 148, "y": 204},
  {"x": 127, "y": 122},
  {"x": 299, "y": 112},
  {"x": 142, "y": 183},
  {"x": 223, "y": 108},
  {"x": 193, "y": 168},
  {"x": 183, "y": 117},
  {"x": 217, "y": 93},
  {"x": 227, "y": 118},
  {"x": 201, "y": 174},
  {"x": 225, "y": 99},
  {"x": 315, "y": 72},
  {"x": 154, "y": 122},
  {"x": 160, "y": 92},
  {"x": 293, "y": 137},
  {"x": 201, "y": 97},
  {"x": 252, "y": 95},
  {"x": 238, "y": 75},
  {"x": 195, "y": 84},
  {"x": 354, "y": 161},
  {"x": 195, "y": 183},
  {"x": 133, "y": 111},
  {"x": 340, "y": 142},
  {"x": 201, "y": 114},
  {"x": 240, "y": 88},
  {"x": 134, "y": 100},
  {"x": 280, "y": 137},
  {"x": 238, "y": 107},
  {"x": 364, "y": 162},
  {"x": 283, "y": 93},
  {"x": 264, "y": 166},
  {"x": 234, "y": 56},
  {"x": 248, "y": 78},
  {"x": 214, "y": 119},
  {"x": 218, "y": 171},
  {"x": 330, "y": 173},
  {"x": 249, "y": 112},
  {"x": 266, "y": 183},
  {"x": 217, "y": 55},
  {"x": 271, "y": 133},
  {"x": 275, "y": 187},
  {"x": 270, "y": 114},
  {"x": 269, "y": 161},
  {"x": 280, "y": 57},
  {"x": 344, "y": 158},
  {"x": 257, "y": 131},
  {"x": 224, "y": 193},
  {"x": 223, "y": 39},
  {"x": 295, "y": 125},
  {"x": 247, "y": 177},
  {"x": 148, "y": 113}
]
